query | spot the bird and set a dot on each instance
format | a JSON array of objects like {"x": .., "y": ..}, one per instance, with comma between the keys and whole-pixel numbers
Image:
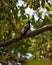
[{"x": 25, "y": 28}]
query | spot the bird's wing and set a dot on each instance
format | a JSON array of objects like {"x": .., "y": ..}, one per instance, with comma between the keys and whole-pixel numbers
[{"x": 24, "y": 29}]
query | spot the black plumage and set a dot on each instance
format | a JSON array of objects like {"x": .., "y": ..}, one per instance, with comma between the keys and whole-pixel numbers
[{"x": 25, "y": 28}]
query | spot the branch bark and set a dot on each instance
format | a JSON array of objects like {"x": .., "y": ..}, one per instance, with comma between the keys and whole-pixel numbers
[{"x": 29, "y": 34}]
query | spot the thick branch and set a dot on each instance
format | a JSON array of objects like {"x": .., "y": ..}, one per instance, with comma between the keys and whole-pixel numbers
[{"x": 29, "y": 34}]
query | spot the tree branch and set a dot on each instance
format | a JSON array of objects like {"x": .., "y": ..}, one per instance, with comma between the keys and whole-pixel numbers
[{"x": 29, "y": 34}]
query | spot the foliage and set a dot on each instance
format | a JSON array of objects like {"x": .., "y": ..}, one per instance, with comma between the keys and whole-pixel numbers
[
  {"x": 13, "y": 17},
  {"x": 39, "y": 62}
]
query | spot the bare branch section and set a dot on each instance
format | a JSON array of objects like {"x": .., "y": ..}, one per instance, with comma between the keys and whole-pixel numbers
[{"x": 29, "y": 34}]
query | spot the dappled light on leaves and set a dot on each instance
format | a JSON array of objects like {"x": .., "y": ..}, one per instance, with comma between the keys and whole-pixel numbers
[{"x": 14, "y": 14}]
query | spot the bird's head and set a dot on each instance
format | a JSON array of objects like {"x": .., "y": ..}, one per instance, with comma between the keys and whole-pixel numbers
[{"x": 28, "y": 22}]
